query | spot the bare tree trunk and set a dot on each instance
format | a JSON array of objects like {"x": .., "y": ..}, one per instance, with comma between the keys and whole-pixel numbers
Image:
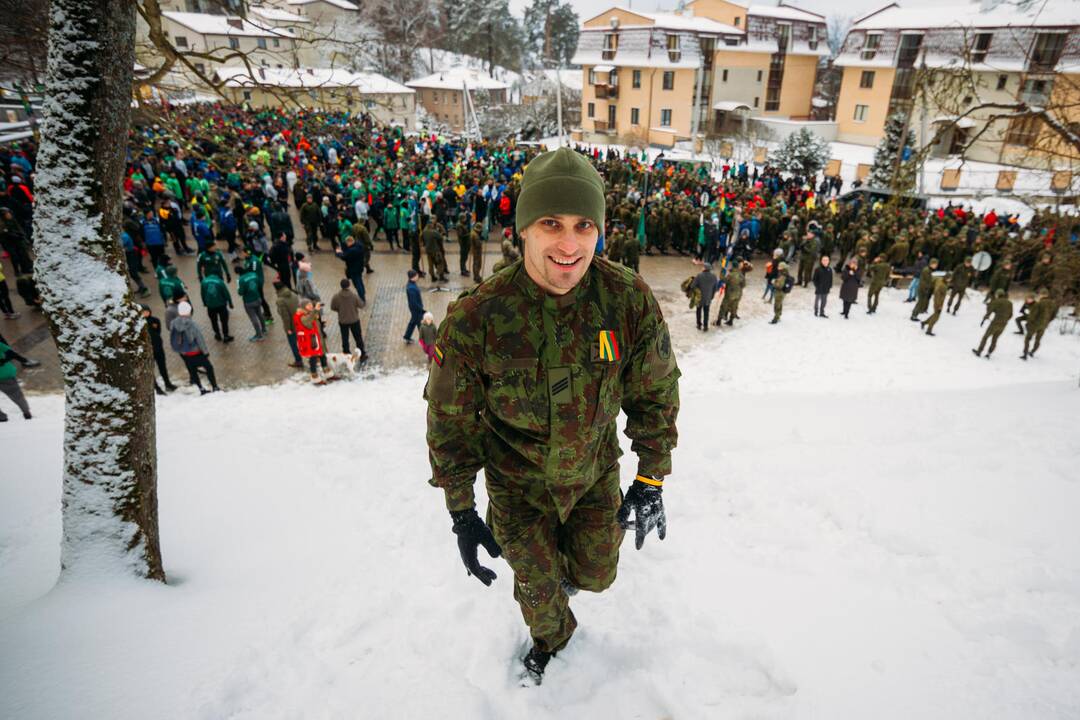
[{"x": 110, "y": 457}]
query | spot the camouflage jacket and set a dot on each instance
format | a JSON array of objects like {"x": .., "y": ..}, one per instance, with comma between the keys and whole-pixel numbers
[{"x": 528, "y": 387}]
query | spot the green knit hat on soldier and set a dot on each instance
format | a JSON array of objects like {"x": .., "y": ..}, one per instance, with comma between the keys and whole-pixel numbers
[{"x": 560, "y": 182}]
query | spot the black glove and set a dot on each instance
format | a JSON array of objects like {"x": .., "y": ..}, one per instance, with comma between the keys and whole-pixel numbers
[
  {"x": 472, "y": 532},
  {"x": 648, "y": 505}
]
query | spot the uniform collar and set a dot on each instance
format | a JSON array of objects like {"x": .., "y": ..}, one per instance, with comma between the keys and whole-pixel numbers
[{"x": 535, "y": 292}]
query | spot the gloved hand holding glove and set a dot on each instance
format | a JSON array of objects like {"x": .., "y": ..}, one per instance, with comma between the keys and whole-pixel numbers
[
  {"x": 645, "y": 498},
  {"x": 471, "y": 533}
]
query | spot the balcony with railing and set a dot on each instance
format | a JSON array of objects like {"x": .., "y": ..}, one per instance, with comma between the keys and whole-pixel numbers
[
  {"x": 606, "y": 92},
  {"x": 603, "y": 126}
]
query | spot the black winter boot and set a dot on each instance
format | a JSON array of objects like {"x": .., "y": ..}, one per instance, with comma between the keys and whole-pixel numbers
[{"x": 535, "y": 663}]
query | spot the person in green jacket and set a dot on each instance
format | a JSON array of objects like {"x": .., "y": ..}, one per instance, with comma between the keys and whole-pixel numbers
[
  {"x": 1001, "y": 308},
  {"x": 733, "y": 290},
  {"x": 250, "y": 291},
  {"x": 169, "y": 282},
  {"x": 880, "y": 271},
  {"x": 1040, "y": 317},
  {"x": 311, "y": 218},
  {"x": 961, "y": 280},
  {"x": 778, "y": 283},
  {"x": 212, "y": 262},
  {"x": 216, "y": 298},
  {"x": 9, "y": 385},
  {"x": 926, "y": 289},
  {"x": 530, "y": 372},
  {"x": 941, "y": 287},
  {"x": 391, "y": 223},
  {"x": 1000, "y": 279}
]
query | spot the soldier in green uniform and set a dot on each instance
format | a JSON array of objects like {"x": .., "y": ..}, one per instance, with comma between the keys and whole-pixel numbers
[
  {"x": 432, "y": 238},
  {"x": 1040, "y": 317},
  {"x": 509, "y": 256},
  {"x": 926, "y": 289},
  {"x": 1000, "y": 279},
  {"x": 941, "y": 287},
  {"x": 1025, "y": 311},
  {"x": 476, "y": 242},
  {"x": 1001, "y": 308},
  {"x": 778, "y": 292},
  {"x": 733, "y": 289},
  {"x": 464, "y": 243},
  {"x": 1042, "y": 273},
  {"x": 531, "y": 370},
  {"x": 631, "y": 252},
  {"x": 879, "y": 272},
  {"x": 958, "y": 285}
]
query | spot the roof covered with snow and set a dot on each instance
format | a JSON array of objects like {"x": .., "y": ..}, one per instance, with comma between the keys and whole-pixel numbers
[
  {"x": 341, "y": 4},
  {"x": 311, "y": 78},
  {"x": 206, "y": 24},
  {"x": 785, "y": 12},
  {"x": 273, "y": 14},
  {"x": 457, "y": 77},
  {"x": 1055, "y": 13},
  {"x": 669, "y": 21}
]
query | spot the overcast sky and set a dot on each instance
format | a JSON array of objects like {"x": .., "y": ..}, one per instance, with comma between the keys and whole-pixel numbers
[{"x": 588, "y": 8}]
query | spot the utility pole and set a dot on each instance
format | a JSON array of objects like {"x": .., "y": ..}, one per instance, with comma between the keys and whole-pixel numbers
[{"x": 558, "y": 99}]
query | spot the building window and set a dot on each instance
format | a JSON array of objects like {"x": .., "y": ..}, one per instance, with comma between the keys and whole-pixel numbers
[
  {"x": 611, "y": 117},
  {"x": 180, "y": 41},
  {"x": 1022, "y": 131},
  {"x": 731, "y": 41},
  {"x": 673, "y": 52},
  {"x": 669, "y": 79},
  {"x": 611, "y": 45},
  {"x": 435, "y": 97},
  {"x": 665, "y": 117},
  {"x": 783, "y": 37},
  {"x": 261, "y": 42},
  {"x": 910, "y": 45},
  {"x": 234, "y": 44},
  {"x": 723, "y": 75},
  {"x": 760, "y": 75},
  {"x": 1003, "y": 80},
  {"x": 592, "y": 76},
  {"x": 455, "y": 96},
  {"x": 635, "y": 116},
  {"x": 737, "y": 21},
  {"x": 1047, "y": 51},
  {"x": 772, "y": 99},
  {"x": 247, "y": 94},
  {"x": 813, "y": 41},
  {"x": 636, "y": 79},
  {"x": 756, "y": 101},
  {"x": 200, "y": 68},
  {"x": 591, "y": 110},
  {"x": 276, "y": 42},
  {"x": 867, "y": 79},
  {"x": 860, "y": 113},
  {"x": 871, "y": 44},
  {"x": 981, "y": 47}
]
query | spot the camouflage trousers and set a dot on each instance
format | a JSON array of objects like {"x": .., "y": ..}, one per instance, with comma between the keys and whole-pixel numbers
[
  {"x": 543, "y": 552},
  {"x": 729, "y": 308},
  {"x": 872, "y": 297}
]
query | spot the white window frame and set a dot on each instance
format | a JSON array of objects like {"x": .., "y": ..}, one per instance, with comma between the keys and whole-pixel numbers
[
  {"x": 668, "y": 123},
  {"x": 860, "y": 113},
  {"x": 867, "y": 52}
]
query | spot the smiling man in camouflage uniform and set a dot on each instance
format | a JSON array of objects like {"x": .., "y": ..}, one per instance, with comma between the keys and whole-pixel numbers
[{"x": 531, "y": 370}]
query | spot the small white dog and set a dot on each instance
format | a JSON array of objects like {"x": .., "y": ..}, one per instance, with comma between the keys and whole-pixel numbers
[{"x": 344, "y": 365}]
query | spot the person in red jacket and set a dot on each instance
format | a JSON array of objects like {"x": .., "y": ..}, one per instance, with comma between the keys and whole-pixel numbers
[{"x": 309, "y": 338}]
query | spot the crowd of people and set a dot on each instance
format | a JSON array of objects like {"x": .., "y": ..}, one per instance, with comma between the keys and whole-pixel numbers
[{"x": 224, "y": 184}]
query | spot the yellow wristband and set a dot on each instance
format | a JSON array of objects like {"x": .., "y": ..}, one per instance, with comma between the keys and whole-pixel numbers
[{"x": 650, "y": 481}]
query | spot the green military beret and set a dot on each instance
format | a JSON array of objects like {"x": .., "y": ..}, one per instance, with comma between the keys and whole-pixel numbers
[{"x": 560, "y": 182}]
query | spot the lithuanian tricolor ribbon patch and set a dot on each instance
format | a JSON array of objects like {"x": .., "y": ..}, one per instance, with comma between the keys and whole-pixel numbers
[
  {"x": 437, "y": 356},
  {"x": 609, "y": 346}
]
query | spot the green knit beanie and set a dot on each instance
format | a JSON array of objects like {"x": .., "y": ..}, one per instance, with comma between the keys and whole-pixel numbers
[{"x": 560, "y": 182}]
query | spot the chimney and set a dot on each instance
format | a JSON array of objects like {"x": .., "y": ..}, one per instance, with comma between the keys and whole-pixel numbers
[{"x": 235, "y": 22}]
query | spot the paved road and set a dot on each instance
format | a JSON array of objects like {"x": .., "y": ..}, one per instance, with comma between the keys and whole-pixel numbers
[{"x": 245, "y": 364}]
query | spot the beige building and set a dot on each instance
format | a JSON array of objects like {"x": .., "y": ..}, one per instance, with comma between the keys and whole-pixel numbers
[
  {"x": 387, "y": 101},
  {"x": 951, "y": 70},
  {"x": 443, "y": 94},
  {"x": 656, "y": 78}
]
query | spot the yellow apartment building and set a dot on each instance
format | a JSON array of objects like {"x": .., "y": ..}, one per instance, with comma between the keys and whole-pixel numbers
[
  {"x": 656, "y": 78},
  {"x": 1005, "y": 59}
]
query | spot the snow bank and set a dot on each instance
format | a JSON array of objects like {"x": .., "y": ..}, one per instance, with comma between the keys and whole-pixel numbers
[{"x": 863, "y": 521}]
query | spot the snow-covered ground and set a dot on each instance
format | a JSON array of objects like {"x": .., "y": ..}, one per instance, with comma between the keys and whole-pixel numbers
[{"x": 863, "y": 522}]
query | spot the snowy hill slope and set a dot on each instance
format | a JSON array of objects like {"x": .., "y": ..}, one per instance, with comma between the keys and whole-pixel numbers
[{"x": 863, "y": 521}]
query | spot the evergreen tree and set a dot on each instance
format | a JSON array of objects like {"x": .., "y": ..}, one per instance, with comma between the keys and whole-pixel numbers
[
  {"x": 486, "y": 29},
  {"x": 552, "y": 30},
  {"x": 881, "y": 174},
  {"x": 802, "y": 153}
]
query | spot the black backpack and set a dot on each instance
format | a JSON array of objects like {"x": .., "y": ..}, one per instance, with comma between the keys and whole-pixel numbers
[{"x": 789, "y": 282}]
